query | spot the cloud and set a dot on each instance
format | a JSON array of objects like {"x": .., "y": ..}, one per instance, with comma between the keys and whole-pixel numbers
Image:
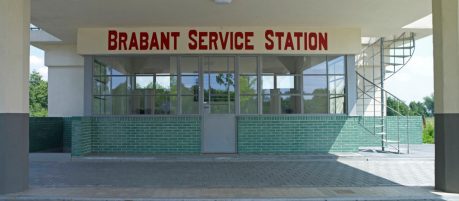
[{"x": 37, "y": 63}]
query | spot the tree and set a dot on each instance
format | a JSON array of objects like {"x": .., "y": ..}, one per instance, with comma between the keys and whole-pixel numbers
[
  {"x": 397, "y": 108},
  {"x": 429, "y": 103},
  {"x": 38, "y": 95},
  {"x": 418, "y": 108}
]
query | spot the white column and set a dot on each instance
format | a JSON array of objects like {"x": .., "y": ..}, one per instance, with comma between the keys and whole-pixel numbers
[
  {"x": 14, "y": 95},
  {"x": 65, "y": 80},
  {"x": 446, "y": 81}
]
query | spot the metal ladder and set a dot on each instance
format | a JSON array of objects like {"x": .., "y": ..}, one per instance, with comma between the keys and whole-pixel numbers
[{"x": 377, "y": 62}]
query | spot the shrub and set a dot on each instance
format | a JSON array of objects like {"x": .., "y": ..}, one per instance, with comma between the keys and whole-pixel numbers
[{"x": 428, "y": 134}]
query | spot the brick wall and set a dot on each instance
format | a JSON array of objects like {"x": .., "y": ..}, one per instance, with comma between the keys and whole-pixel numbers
[
  {"x": 81, "y": 136},
  {"x": 256, "y": 134},
  {"x": 307, "y": 134},
  {"x": 45, "y": 134},
  {"x": 67, "y": 134},
  {"x": 149, "y": 135}
]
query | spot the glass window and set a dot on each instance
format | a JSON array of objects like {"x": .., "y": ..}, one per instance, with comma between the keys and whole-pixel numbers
[
  {"x": 290, "y": 104},
  {"x": 249, "y": 104},
  {"x": 267, "y": 83},
  {"x": 166, "y": 84},
  {"x": 189, "y": 65},
  {"x": 336, "y": 84},
  {"x": 337, "y": 104},
  {"x": 336, "y": 65},
  {"x": 287, "y": 84},
  {"x": 248, "y": 65},
  {"x": 119, "y": 105},
  {"x": 315, "y": 84},
  {"x": 151, "y": 84},
  {"x": 165, "y": 104},
  {"x": 248, "y": 84},
  {"x": 190, "y": 85},
  {"x": 282, "y": 64},
  {"x": 119, "y": 85},
  {"x": 315, "y": 104},
  {"x": 270, "y": 105},
  {"x": 190, "y": 104},
  {"x": 144, "y": 81},
  {"x": 315, "y": 65}
]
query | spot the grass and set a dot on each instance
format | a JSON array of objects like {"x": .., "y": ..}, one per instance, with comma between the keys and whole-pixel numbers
[{"x": 428, "y": 133}]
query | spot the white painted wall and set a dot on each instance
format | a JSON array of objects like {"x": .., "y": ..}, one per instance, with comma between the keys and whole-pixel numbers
[
  {"x": 14, "y": 56},
  {"x": 65, "y": 80},
  {"x": 65, "y": 91}
]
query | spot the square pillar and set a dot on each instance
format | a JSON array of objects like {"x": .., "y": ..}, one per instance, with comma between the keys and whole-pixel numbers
[
  {"x": 446, "y": 81},
  {"x": 14, "y": 95}
]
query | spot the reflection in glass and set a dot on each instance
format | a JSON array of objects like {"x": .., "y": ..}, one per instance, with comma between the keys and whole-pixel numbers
[
  {"x": 286, "y": 84},
  {"x": 315, "y": 65},
  {"x": 290, "y": 104},
  {"x": 190, "y": 104},
  {"x": 101, "y": 86},
  {"x": 266, "y": 105},
  {"x": 190, "y": 85},
  {"x": 119, "y": 105},
  {"x": 337, "y": 104},
  {"x": 248, "y": 65},
  {"x": 248, "y": 84},
  {"x": 165, "y": 104},
  {"x": 144, "y": 82},
  {"x": 336, "y": 65},
  {"x": 336, "y": 84},
  {"x": 219, "y": 84},
  {"x": 249, "y": 104},
  {"x": 314, "y": 84},
  {"x": 119, "y": 85},
  {"x": 166, "y": 84},
  {"x": 267, "y": 83},
  {"x": 282, "y": 64},
  {"x": 315, "y": 104},
  {"x": 189, "y": 65}
]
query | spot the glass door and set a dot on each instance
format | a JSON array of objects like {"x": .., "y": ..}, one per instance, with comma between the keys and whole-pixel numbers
[
  {"x": 219, "y": 85},
  {"x": 218, "y": 106}
]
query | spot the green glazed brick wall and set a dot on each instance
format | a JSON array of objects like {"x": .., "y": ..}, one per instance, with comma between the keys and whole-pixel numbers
[
  {"x": 308, "y": 134},
  {"x": 414, "y": 131},
  {"x": 45, "y": 134},
  {"x": 67, "y": 134},
  {"x": 145, "y": 135},
  {"x": 81, "y": 136}
]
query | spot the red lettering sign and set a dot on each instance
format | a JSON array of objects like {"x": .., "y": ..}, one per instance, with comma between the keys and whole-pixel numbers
[{"x": 216, "y": 40}]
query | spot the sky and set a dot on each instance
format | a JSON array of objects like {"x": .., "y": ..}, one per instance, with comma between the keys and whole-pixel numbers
[
  {"x": 37, "y": 62},
  {"x": 415, "y": 80},
  {"x": 412, "y": 83}
]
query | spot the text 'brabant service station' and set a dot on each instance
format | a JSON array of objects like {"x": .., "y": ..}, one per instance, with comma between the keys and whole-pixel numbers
[{"x": 214, "y": 40}]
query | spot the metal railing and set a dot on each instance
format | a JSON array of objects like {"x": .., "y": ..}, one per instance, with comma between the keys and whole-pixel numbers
[
  {"x": 377, "y": 62},
  {"x": 379, "y": 128}
]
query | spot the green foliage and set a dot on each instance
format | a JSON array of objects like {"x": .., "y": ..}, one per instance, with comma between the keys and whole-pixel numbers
[
  {"x": 396, "y": 108},
  {"x": 428, "y": 133},
  {"x": 424, "y": 109},
  {"x": 418, "y": 108},
  {"x": 429, "y": 103},
  {"x": 38, "y": 95}
]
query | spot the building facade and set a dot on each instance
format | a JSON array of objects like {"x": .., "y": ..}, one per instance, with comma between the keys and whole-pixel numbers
[{"x": 182, "y": 90}]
